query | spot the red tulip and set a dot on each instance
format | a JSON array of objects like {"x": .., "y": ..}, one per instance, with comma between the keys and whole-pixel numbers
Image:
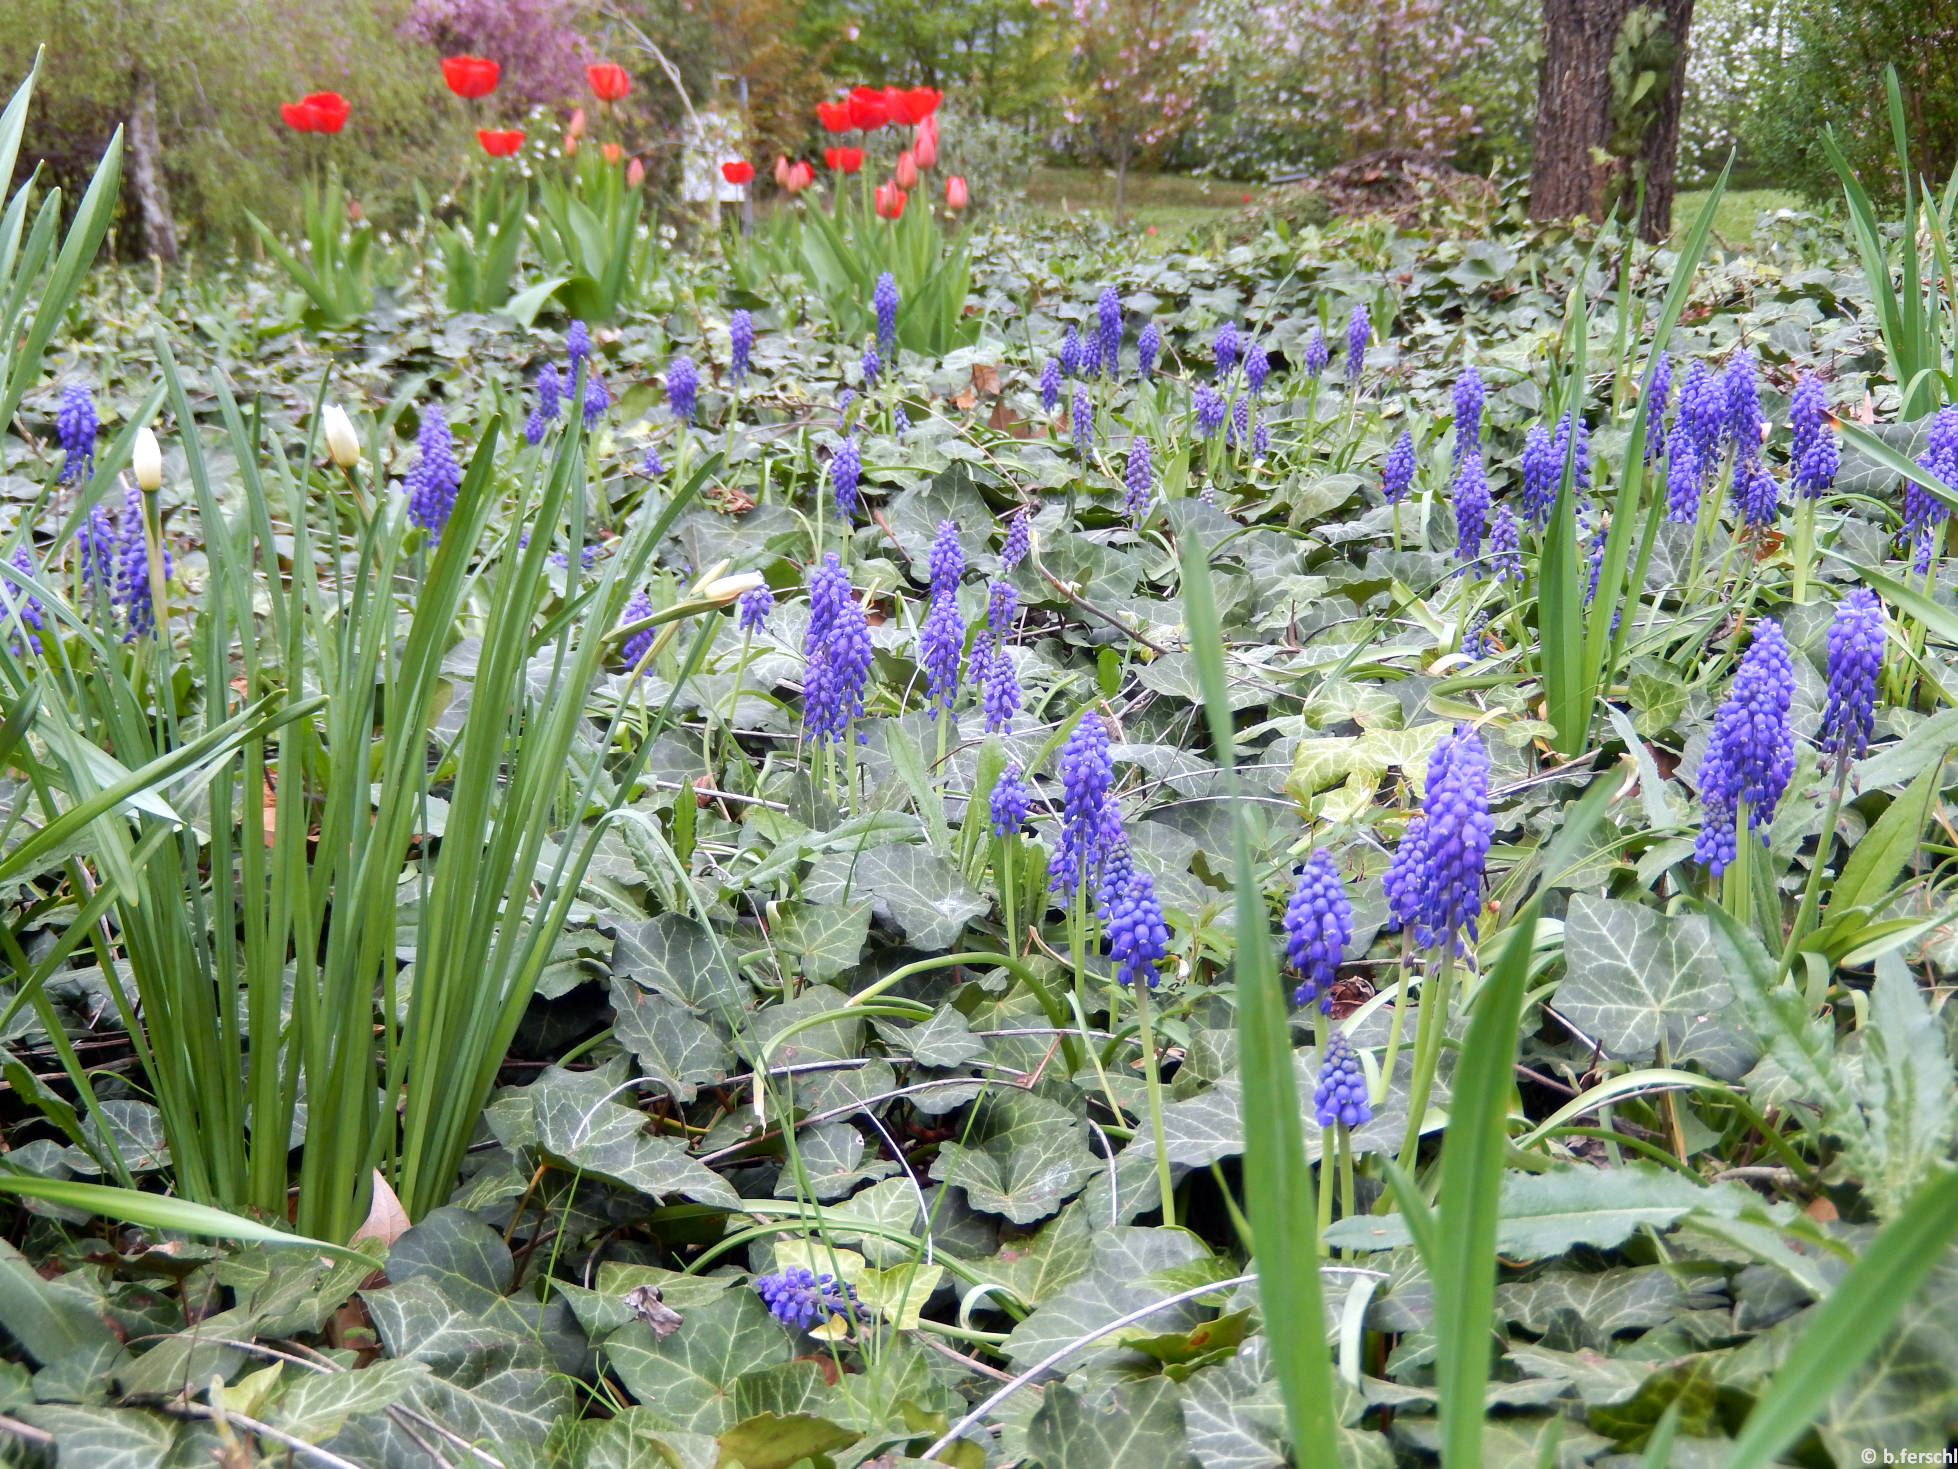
[
  {"x": 608, "y": 79},
  {"x": 470, "y": 76},
  {"x": 330, "y": 110},
  {"x": 298, "y": 116},
  {"x": 635, "y": 173},
  {"x": 888, "y": 201},
  {"x": 867, "y": 109},
  {"x": 906, "y": 170},
  {"x": 925, "y": 150},
  {"x": 737, "y": 171},
  {"x": 801, "y": 176},
  {"x": 956, "y": 197},
  {"x": 612, "y": 152},
  {"x": 924, "y": 101},
  {"x": 500, "y": 142},
  {"x": 834, "y": 116},
  {"x": 844, "y": 160}
]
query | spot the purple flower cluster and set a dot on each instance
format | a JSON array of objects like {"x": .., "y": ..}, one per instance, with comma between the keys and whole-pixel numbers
[
  {"x": 597, "y": 400},
  {"x": 1240, "y": 428},
  {"x": 1755, "y": 491},
  {"x": 1580, "y": 456},
  {"x": 1257, "y": 366},
  {"x": 1855, "y": 659},
  {"x": 800, "y": 1297},
  {"x": 1703, "y": 410},
  {"x": 940, "y": 642},
  {"x": 900, "y": 422},
  {"x": 130, "y": 587},
  {"x": 1317, "y": 353},
  {"x": 634, "y": 648},
  {"x": 1506, "y": 547},
  {"x": 1341, "y": 1095},
  {"x": 1019, "y": 539},
  {"x": 1133, "y": 921},
  {"x": 883, "y": 299},
  {"x": 1658, "y": 397},
  {"x": 1081, "y": 418},
  {"x": 1924, "y": 512},
  {"x": 1359, "y": 331},
  {"x": 845, "y": 470},
  {"x": 1210, "y": 411},
  {"x": 1108, "y": 312},
  {"x": 1260, "y": 439},
  {"x": 550, "y": 393},
  {"x": 999, "y": 696},
  {"x": 946, "y": 563},
  {"x": 433, "y": 482},
  {"x": 1397, "y": 474},
  {"x": 1434, "y": 882},
  {"x": 1743, "y": 394},
  {"x": 1070, "y": 351},
  {"x": 1750, "y": 754},
  {"x": 75, "y": 425},
  {"x": 835, "y": 653},
  {"x": 23, "y": 609},
  {"x": 752, "y": 607},
  {"x": 1010, "y": 802},
  {"x": 1050, "y": 385},
  {"x": 1541, "y": 467},
  {"x": 1318, "y": 927},
  {"x": 650, "y": 465},
  {"x": 1683, "y": 475},
  {"x": 97, "y": 547},
  {"x": 682, "y": 387},
  {"x": 870, "y": 366},
  {"x": 1225, "y": 348},
  {"x": 1148, "y": 347},
  {"x": 1471, "y": 509},
  {"x": 577, "y": 344},
  {"x": 1087, "y": 782},
  {"x": 741, "y": 343},
  {"x": 1469, "y": 398}
]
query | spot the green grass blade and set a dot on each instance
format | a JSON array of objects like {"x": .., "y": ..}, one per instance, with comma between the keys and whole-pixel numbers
[
  {"x": 1277, "y": 1182},
  {"x": 1847, "y": 1327}
]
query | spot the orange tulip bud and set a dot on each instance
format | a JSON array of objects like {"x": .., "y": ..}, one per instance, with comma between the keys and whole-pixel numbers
[
  {"x": 611, "y": 151},
  {"x": 635, "y": 173}
]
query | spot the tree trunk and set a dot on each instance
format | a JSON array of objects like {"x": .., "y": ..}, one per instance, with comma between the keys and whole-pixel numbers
[
  {"x": 1573, "y": 108},
  {"x": 1661, "y": 151},
  {"x": 146, "y": 173}
]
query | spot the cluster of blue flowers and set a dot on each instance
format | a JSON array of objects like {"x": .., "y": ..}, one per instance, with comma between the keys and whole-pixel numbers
[
  {"x": 115, "y": 565},
  {"x": 845, "y": 470},
  {"x": 741, "y": 344},
  {"x": 1318, "y": 927},
  {"x": 436, "y": 476},
  {"x": 883, "y": 299},
  {"x": 1434, "y": 882},
  {"x": 1132, "y": 919},
  {"x": 1087, "y": 802},
  {"x": 836, "y": 655},
  {"x": 1010, "y": 802},
  {"x": 1750, "y": 754},
  {"x": 550, "y": 394},
  {"x": 1924, "y": 513},
  {"x": 801, "y": 1298},
  {"x": 637, "y": 609},
  {"x": 1397, "y": 474},
  {"x": 23, "y": 610},
  {"x": 682, "y": 387},
  {"x": 1341, "y": 1095},
  {"x": 1855, "y": 659},
  {"x": 1139, "y": 480},
  {"x": 76, "y": 426},
  {"x": 942, "y": 637},
  {"x": 752, "y": 607}
]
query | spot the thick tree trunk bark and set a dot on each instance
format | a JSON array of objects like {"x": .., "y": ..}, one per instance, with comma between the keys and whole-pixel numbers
[
  {"x": 1573, "y": 109},
  {"x": 146, "y": 173},
  {"x": 1661, "y": 150},
  {"x": 1574, "y": 113}
]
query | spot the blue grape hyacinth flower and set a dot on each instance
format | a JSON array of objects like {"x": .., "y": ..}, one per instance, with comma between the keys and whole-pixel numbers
[
  {"x": 1010, "y": 802},
  {"x": 1138, "y": 938},
  {"x": 75, "y": 425},
  {"x": 1397, "y": 474},
  {"x": 836, "y": 655},
  {"x": 682, "y": 387},
  {"x": 799, "y": 1297},
  {"x": 1855, "y": 659},
  {"x": 1087, "y": 777},
  {"x": 1341, "y": 1095},
  {"x": 1359, "y": 332},
  {"x": 1148, "y": 347},
  {"x": 1434, "y": 882},
  {"x": 741, "y": 344},
  {"x": 845, "y": 471},
  {"x": 883, "y": 298},
  {"x": 436, "y": 477},
  {"x": 1019, "y": 539},
  {"x": 1318, "y": 927},
  {"x": 1750, "y": 755}
]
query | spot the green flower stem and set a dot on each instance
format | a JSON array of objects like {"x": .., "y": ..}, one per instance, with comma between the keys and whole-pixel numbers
[
  {"x": 1812, "y": 889},
  {"x": 1380, "y": 1087},
  {"x": 1429, "y": 1025},
  {"x": 1324, "y": 1191},
  {"x": 1152, "y": 1083}
]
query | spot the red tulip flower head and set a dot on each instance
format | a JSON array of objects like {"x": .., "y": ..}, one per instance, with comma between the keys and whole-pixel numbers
[
  {"x": 834, "y": 116},
  {"x": 470, "y": 76},
  {"x": 737, "y": 171},
  {"x": 500, "y": 142},
  {"x": 925, "y": 150},
  {"x": 956, "y": 197},
  {"x": 888, "y": 201},
  {"x": 906, "y": 170},
  {"x": 924, "y": 101},
  {"x": 635, "y": 173},
  {"x": 316, "y": 112},
  {"x": 844, "y": 160},
  {"x": 298, "y": 116},
  {"x": 867, "y": 109},
  {"x": 611, "y": 152},
  {"x": 801, "y": 176},
  {"x": 609, "y": 81}
]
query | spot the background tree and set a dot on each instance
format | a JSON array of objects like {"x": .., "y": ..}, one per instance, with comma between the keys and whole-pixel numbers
[
  {"x": 1134, "y": 78},
  {"x": 1608, "y": 108}
]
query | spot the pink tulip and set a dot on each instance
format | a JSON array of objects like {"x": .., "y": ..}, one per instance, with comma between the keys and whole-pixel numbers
[
  {"x": 907, "y": 170},
  {"x": 925, "y": 150},
  {"x": 956, "y": 197}
]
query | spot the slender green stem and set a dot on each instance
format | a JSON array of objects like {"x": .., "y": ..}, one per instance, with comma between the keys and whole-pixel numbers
[
  {"x": 1386, "y": 1080},
  {"x": 1737, "y": 884},
  {"x": 1152, "y": 1083},
  {"x": 1812, "y": 889},
  {"x": 1325, "y": 1190},
  {"x": 1429, "y": 1025}
]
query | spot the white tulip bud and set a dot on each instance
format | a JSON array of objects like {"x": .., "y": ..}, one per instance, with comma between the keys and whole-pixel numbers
[
  {"x": 342, "y": 443},
  {"x": 725, "y": 589},
  {"x": 147, "y": 461}
]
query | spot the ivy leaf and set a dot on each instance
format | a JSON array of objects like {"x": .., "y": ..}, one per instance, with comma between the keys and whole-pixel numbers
[
  {"x": 690, "y": 1375},
  {"x": 460, "y": 1255},
  {"x": 1909, "y": 1084},
  {"x": 831, "y": 1166},
  {"x": 1141, "y": 1424},
  {"x": 916, "y": 888},
  {"x": 1234, "y": 1417},
  {"x": 48, "y": 1319},
  {"x": 315, "y": 1405},
  {"x": 675, "y": 1048},
  {"x": 579, "y": 1123},
  {"x": 1026, "y": 1156},
  {"x": 634, "y": 1438},
  {"x": 1590, "y": 1307},
  {"x": 104, "y": 1438},
  {"x": 768, "y": 1442},
  {"x": 682, "y": 959},
  {"x": 818, "y": 941},
  {"x": 1126, "y": 1257},
  {"x": 1636, "y": 977}
]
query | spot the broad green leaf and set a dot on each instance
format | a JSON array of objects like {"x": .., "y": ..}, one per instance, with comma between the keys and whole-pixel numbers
[
  {"x": 1141, "y": 1424},
  {"x": 579, "y": 1120},
  {"x": 769, "y": 1442},
  {"x": 674, "y": 1047},
  {"x": 105, "y": 1438},
  {"x": 689, "y": 1377},
  {"x": 459, "y": 1254},
  {"x": 315, "y": 1405},
  {"x": 1024, "y": 1157},
  {"x": 919, "y": 889},
  {"x": 48, "y": 1319},
  {"x": 1124, "y": 1277},
  {"x": 680, "y": 958},
  {"x": 1907, "y": 1075},
  {"x": 818, "y": 941}
]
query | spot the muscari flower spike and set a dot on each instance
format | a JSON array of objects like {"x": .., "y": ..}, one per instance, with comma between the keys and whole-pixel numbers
[
  {"x": 1050, "y": 385},
  {"x": 1434, "y": 882},
  {"x": 836, "y": 654},
  {"x": 946, "y": 562},
  {"x": 1139, "y": 478},
  {"x": 1019, "y": 539},
  {"x": 97, "y": 546},
  {"x": 1750, "y": 754},
  {"x": 1341, "y": 1095},
  {"x": 1257, "y": 366},
  {"x": 1087, "y": 776},
  {"x": 741, "y": 343},
  {"x": 577, "y": 344},
  {"x": 1923, "y": 511},
  {"x": 1540, "y": 470},
  {"x": 650, "y": 465},
  {"x": 1743, "y": 395},
  {"x": 1010, "y": 802},
  {"x": 433, "y": 482},
  {"x": 1580, "y": 457},
  {"x": 1137, "y": 936},
  {"x": 870, "y": 366},
  {"x": 1397, "y": 474},
  {"x": 1002, "y": 602},
  {"x": 1318, "y": 927},
  {"x": 131, "y": 590},
  {"x": 1260, "y": 439},
  {"x": 752, "y": 607},
  {"x": 799, "y": 1297},
  {"x": 999, "y": 695},
  {"x": 1225, "y": 348},
  {"x": 634, "y": 648},
  {"x": 1506, "y": 546},
  {"x": 1471, "y": 509},
  {"x": 1148, "y": 347},
  {"x": 1317, "y": 353},
  {"x": 1081, "y": 418},
  {"x": 1755, "y": 492},
  {"x": 1469, "y": 397},
  {"x": 883, "y": 298},
  {"x": 845, "y": 470},
  {"x": 1855, "y": 659},
  {"x": 1210, "y": 411},
  {"x": 682, "y": 387},
  {"x": 1070, "y": 351},
  {"x": 75, "y": 425},
  {"x": 900, "y": 422},
  {"x": 597, "y": 400},
  {"x": 1476, "y": 643},
  {"x": 1683, "y": 476},
  {"x": 1659, "y": 396},
  {"x": 1703, "y": 409},
  {"x": 23, "y": 609},
  {"x": 940, "y": 642},
  {"x": 550, "y": 393},
  {"x": 1108, "y": 311},
  {"x": 1359, "y": 331},
  {"x": 1240, "y": 428}
]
